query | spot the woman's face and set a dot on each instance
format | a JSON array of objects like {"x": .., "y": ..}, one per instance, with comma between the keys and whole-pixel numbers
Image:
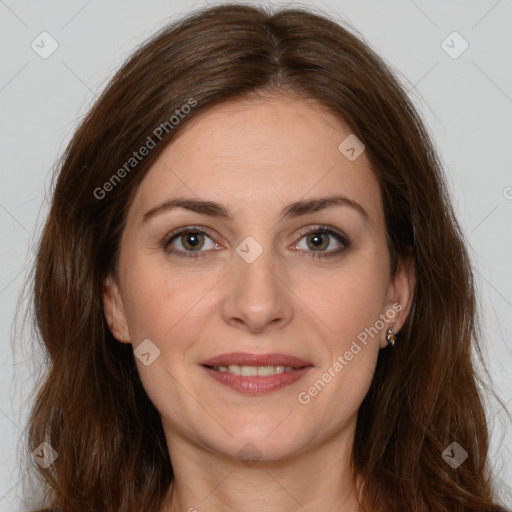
[{"x": 255, "y": 275}]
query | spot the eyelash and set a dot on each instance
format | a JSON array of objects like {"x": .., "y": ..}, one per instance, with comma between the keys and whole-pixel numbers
[{"x": 316, "y": 230}]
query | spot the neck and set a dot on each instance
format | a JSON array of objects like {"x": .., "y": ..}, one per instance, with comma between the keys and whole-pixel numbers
[{"x": 317, "y": 479}]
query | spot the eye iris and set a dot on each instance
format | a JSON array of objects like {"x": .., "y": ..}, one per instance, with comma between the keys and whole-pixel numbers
[
  {"x": 317, "y": 240},
  {"x": 192, "y": 240}
]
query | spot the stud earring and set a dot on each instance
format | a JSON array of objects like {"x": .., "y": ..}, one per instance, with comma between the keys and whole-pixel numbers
[{"x": 390, "y": 336}]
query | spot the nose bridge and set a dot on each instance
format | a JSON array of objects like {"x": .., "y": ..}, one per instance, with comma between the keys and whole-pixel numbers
[
  {"x": 256, "y": 295},
  {"x": 253, "y": 266}
]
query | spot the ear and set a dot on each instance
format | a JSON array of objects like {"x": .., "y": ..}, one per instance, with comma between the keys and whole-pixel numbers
[
  {"x": 400, "y": 295},
  {"x": 114, "y": 310}
]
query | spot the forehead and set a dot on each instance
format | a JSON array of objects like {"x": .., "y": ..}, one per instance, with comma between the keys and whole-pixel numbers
[{"x": 260, "y": 153}]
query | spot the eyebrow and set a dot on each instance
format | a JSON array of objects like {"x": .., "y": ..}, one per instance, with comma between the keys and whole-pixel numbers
[{"x": 296, "y": 209}]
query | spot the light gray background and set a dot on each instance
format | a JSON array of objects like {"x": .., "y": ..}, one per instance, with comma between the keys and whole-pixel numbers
[{"x": 466, "y": 103}]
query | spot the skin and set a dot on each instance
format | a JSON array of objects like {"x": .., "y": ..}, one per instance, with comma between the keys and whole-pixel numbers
[{"x": 255, "y": 157}]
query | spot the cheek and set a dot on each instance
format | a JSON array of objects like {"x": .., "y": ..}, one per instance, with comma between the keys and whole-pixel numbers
[
  {"x": 337, "y": 390},
  {"x": 161, "y": 299},
  {"x": 350, "y": 304},
  {"x": 350, "y": 301}
]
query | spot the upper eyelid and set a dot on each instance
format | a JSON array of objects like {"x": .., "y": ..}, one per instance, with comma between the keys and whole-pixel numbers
[
  {"x": 187, "y": 229},
  {"x": 322, "y": 227}
]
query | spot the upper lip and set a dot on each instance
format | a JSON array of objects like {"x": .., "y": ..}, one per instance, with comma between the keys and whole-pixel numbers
[{"x": 247, "y": 359}]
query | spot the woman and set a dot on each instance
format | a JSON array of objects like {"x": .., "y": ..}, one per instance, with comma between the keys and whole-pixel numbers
[{"x": 251, "y": 275}]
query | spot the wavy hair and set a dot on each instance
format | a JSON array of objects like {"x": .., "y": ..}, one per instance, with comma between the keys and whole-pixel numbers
[{"x": 91, "y": 406}]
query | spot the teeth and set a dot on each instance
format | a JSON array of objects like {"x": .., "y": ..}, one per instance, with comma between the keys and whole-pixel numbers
[{"x": 251, "y": 371}]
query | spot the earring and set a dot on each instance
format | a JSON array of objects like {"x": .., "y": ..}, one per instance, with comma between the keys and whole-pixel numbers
[{"x": 390, "y": 336}]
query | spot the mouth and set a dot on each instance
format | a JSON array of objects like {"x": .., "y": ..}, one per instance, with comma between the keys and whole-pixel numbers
[
  {"x": 252, "y": 371},
  {"x": 249, "y": 365},
  {"x": 256, "y": 373}
]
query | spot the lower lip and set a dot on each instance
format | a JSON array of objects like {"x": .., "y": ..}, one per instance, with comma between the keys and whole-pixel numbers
[{"x": 258, "y": 385}]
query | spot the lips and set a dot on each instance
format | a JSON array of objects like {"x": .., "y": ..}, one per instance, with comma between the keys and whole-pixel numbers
[
  {"x": 256, "y": 374},
  {"x": 247, "y": 359}
]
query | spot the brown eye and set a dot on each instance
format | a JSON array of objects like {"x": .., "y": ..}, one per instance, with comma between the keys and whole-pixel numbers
[
  {"x": 192, "y": 241},
  {"x": 320, "y": 239},
  {"x": 187, "y": 241}
]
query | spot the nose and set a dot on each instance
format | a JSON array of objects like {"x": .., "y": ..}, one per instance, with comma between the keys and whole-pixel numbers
[{"x": 258, "y": 296}]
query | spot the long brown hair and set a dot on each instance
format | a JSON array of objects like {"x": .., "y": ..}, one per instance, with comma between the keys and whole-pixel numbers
[{"x": 91, "y": 406}]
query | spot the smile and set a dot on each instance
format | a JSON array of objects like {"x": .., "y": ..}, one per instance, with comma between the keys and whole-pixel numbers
[
  {"x": 256, "y": 380},
  {"x": 252, "y": 371}
]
